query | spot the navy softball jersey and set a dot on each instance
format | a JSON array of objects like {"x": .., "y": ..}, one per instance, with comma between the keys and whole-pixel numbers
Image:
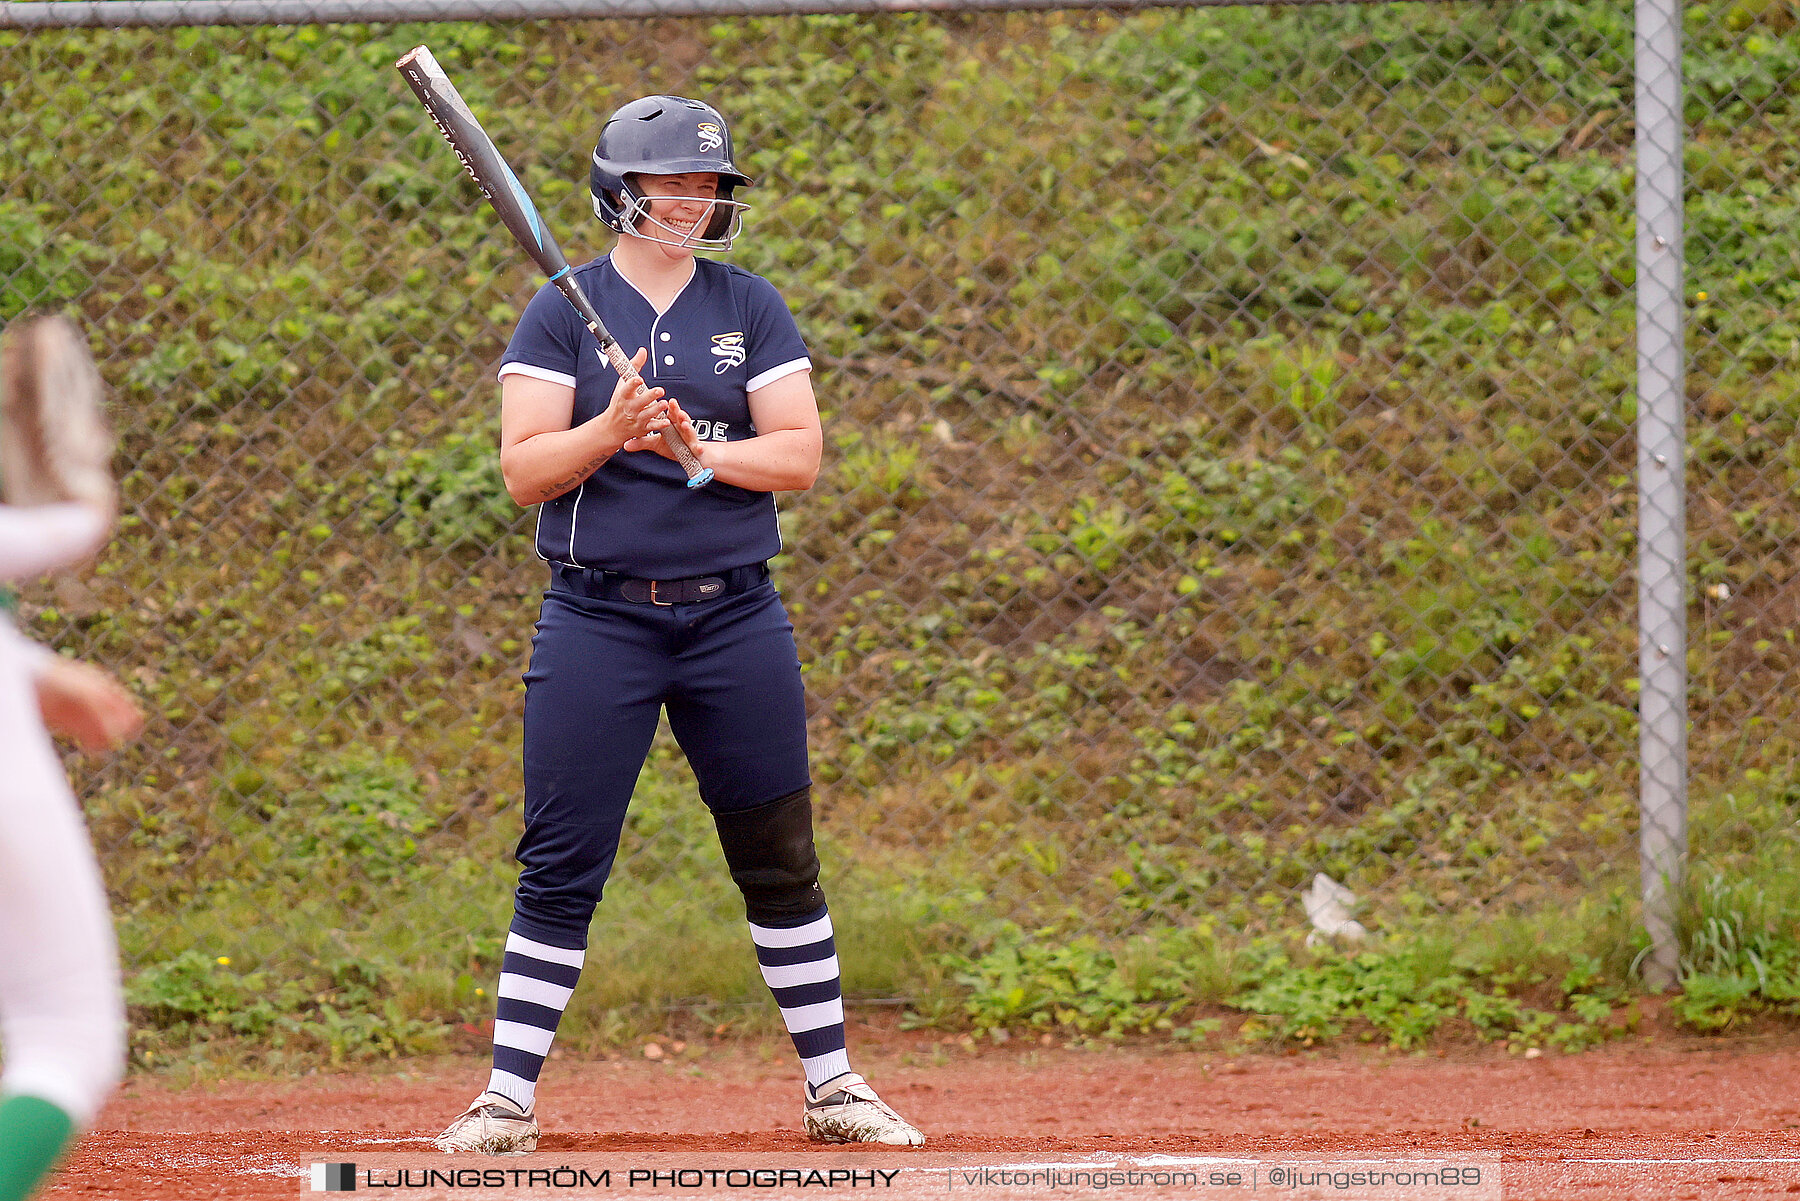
[
  {"x": 727, "y": 334},
  {"x": 604, "y": 667}
]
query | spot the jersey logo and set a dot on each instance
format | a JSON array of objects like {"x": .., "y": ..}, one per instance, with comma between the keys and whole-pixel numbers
[
  {"x": 730, "y": 349},
  {"x": 711, "y": 137}
]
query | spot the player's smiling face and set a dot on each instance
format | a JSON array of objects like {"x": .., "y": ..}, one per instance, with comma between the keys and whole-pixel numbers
[{"x": 680, "y": 205}]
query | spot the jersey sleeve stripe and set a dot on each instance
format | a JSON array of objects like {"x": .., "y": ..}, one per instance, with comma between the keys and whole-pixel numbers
[
  {"x": 774, "y": 373},
  {"x": 543, "y": 373}
]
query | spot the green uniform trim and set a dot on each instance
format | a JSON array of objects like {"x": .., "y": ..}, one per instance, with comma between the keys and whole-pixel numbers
[{"x": 33, "y": 1134}]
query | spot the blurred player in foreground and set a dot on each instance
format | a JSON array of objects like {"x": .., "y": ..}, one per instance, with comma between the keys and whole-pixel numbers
[
  {"x": 62, "y": 1019},
  {"x": 660, "y": 599}
]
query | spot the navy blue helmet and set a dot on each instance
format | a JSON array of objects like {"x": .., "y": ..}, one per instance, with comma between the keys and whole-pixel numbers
[{"x": 665, "y": 135}]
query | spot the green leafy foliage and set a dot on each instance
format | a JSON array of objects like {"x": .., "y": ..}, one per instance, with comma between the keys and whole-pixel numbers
[
  {"x": 1742, "y": 957},
  {"x": 1408, "y": 996},
  {"x": 448, "y": 495},
  {"x": 1039, "y": 982},
  {"x": 1186, "y": 984},
  {"x": 1229, "y": 477},
  {"x": 339, "y": 1008}
]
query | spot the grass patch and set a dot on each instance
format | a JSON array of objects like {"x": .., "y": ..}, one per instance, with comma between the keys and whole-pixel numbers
[{"x": 1230, "y": 479}]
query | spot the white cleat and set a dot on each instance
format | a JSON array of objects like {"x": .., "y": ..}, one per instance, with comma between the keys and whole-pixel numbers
[
  {"x": 493, "y": 1125},
  {"x": 846, "y": 1110}
]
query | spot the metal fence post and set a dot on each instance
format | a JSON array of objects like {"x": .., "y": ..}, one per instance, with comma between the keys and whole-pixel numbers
[{"x": 1662, "y": 557}]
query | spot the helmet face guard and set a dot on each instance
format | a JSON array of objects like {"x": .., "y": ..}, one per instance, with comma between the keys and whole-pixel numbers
[
  {"x": 666, "y": 135},
  {"x": 629, "y": 212}
]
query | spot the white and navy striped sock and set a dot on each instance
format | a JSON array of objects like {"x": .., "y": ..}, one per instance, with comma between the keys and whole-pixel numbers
[
  {"x": 800, "y": 966},
  {"x": 536, "y": 981}
]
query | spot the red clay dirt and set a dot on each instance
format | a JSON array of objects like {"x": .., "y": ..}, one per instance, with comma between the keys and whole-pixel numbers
[{"x": 1677, "y": 1118}]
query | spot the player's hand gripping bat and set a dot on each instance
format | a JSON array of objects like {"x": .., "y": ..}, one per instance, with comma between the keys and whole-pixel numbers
[{"x": 509, "y": 200}]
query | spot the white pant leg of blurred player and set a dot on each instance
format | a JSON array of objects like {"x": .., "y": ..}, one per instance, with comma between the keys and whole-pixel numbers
[{"x": 62, "y": 1017}]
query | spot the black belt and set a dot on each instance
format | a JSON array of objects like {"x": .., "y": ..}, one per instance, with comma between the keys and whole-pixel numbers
[{"x": 610, "y": 585}]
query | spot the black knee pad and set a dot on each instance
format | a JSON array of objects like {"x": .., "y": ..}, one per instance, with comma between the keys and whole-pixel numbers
[{"x": 769, "y": 850}]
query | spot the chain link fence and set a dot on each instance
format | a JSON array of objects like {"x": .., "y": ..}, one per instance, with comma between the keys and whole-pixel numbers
[{"x": 1230, "y": 463}]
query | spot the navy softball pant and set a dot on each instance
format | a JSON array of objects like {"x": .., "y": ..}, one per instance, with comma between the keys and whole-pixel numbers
[{"x": 601, "y": 673}]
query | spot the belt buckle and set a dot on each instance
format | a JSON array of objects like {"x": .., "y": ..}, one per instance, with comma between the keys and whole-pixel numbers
[{"x": 665, "y": 604}]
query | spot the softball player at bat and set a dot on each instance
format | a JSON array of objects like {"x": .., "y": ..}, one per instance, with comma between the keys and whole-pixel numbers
[
  {"x": 62, "y": 1020},
  {"x": 659, "y": 599}
]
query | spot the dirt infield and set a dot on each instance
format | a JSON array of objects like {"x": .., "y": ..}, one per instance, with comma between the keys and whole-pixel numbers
[{"x": 1676, "y": 1119}]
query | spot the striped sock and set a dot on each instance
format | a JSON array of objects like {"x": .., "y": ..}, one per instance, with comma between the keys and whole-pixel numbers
[
  {"x": 800, "y": 966},
  {"x": 536, "y": 981}
]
